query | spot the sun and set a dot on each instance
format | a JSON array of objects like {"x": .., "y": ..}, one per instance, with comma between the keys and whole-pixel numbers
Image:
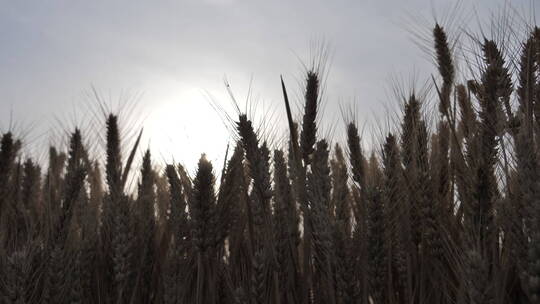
[{"x": 182, "y": 125}]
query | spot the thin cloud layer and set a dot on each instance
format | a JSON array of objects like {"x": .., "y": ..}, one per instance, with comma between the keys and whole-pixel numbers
[{"x": 52, "y": 52}]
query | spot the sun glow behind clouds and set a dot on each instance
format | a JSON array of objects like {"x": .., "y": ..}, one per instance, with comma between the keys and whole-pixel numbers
[{"x": 182, "y": 124}]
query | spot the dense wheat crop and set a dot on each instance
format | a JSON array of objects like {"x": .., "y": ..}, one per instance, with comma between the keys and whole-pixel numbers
[{"x": 445, "y": 210}]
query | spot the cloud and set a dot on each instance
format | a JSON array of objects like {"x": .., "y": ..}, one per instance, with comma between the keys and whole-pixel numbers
[{"x": 52, "y": 51}]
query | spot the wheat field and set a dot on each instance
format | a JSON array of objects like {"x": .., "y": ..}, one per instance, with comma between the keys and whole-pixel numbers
[{"x": 445, "y": 210}]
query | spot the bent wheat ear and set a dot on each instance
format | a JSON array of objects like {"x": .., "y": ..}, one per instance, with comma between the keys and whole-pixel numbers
[
  {"x": 130, "y": 159},
  {"x": 292, "y": 127}
]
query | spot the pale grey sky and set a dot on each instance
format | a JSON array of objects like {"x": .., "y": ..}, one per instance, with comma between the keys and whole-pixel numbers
[{"x": 176, "y": 53}]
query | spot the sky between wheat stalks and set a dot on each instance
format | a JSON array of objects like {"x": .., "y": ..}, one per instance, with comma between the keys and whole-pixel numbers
[{"x": 172, "y": 57}]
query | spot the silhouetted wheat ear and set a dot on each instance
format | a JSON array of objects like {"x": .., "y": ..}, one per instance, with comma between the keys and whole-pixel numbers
[
  {"x": 309, "y": 127},
  {"x": 229, "y": 198},
  {"x": 201, "y": 207},
  {"x": 287, "y": 235},
  {"x": 355, "y": 155},
  {"x": 113, "y": 167},
  {"x": 445, "y": 65}
]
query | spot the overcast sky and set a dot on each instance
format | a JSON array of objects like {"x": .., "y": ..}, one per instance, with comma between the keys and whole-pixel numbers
[{"x": 173, "y": 55}]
